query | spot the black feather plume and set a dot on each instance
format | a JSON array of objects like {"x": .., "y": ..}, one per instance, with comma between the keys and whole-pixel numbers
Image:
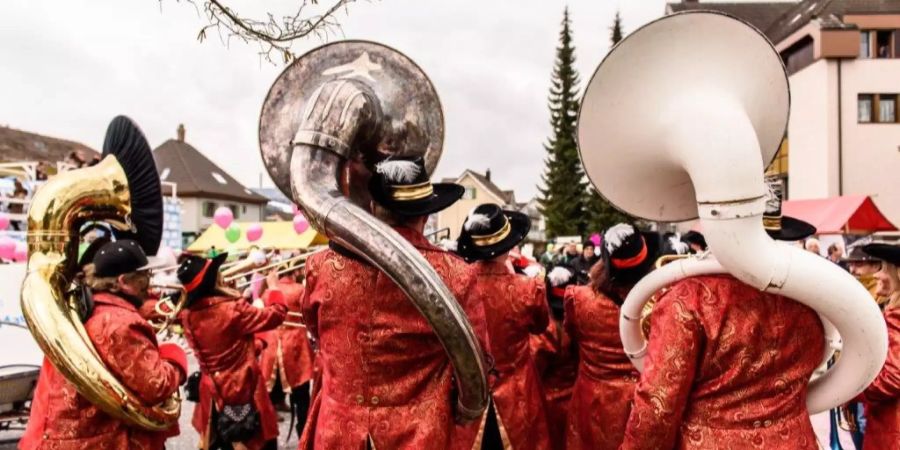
[{"x": 127, "y": 143}]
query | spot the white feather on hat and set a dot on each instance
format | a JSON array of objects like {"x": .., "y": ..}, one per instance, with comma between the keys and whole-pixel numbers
[
  {"x": 616, "y": 235},
  {"x": 477, "y": 222},
  {"x": 679, "y": 246},
  {"x": 532, "y": 270},
  {"x": 559, "y": 276},
  {"x": 449, "y": 245},
  {"x": 398, "y": 171}
]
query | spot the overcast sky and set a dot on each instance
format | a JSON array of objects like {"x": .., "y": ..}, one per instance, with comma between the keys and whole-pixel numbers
[{"x": 67, "y": 67}]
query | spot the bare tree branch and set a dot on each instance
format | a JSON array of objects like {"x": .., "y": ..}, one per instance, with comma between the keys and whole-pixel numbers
[{"x": 273, "y": 35}]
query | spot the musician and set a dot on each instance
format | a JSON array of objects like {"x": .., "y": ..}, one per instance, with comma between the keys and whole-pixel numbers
[
  {"x": 287, "y": 361},
  {"x": 728, "y": 366},
  {"x": 882, "y": 397},
  {"x": 220, "y": 326},
  {"x": 63, "y": 419},
  {"x": 556, "y": 357},
  {"x": 864, "y": 267},
  {"x": 515, "y": 307},
  {"x": 601, "y": 398},
  {"x": 386, "y": 379}
]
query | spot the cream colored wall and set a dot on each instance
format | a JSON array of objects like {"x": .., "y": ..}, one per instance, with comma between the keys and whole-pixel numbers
[
  {"x": 192, "y": 220},
  {"x": 454, "y": 216},
  {"x": 872, "y": 151},
  {"x": 812, "y": 134}
]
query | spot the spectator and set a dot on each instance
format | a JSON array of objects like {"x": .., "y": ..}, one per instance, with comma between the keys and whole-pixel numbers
[
  {"x": 836, "y": 255},
  {"x": 695, "y": 241},
  {"x": 812, "y": 246},
  {"x": 582, "y": 264}
]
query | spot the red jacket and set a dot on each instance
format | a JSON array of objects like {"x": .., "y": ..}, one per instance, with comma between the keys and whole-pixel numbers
[
  {"x": 557, "y": 363},
  {"x": 601, "y": 398},
  {"x": 385, "y": 375},
  {"x": 727, "y": 366},
  {"x": 220, "y": 331},
  {"x": 882, "y": 397},
  {"x": 515, "y": 307},
  {"x": 62, "y": 419},
  {"x": 288, "y": 355}
]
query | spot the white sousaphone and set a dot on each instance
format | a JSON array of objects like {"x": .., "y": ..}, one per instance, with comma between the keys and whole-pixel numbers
[{"x": 678, "y": 122}]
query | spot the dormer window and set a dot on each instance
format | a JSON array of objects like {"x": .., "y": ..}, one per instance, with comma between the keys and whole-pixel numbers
[
  {"x": 218, "y": 177},
  {"x": 469, "y": 193}
]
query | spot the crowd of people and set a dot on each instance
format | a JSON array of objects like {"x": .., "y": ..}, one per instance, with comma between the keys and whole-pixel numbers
[{"x": 726, "y": 366}]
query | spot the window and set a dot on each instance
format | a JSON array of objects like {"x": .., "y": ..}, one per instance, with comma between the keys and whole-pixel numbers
[
  {"x": 218, "y": 177},
  {"x": 209, "y": 209},
  {"x": 887, "y": 108},
  {"x": 779, "y": 166},
  {"x": 864, "y": 48},
  {"x": 235, "y": 211},
  {"x": 469, "y": 194},
  {"x": 877, "y": 108},
  {"x": 883, "y": 47},
  {"x": 243, "y": 209}
]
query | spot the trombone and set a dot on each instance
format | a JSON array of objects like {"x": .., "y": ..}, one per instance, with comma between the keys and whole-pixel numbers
[{"x": 288, "y": 265}]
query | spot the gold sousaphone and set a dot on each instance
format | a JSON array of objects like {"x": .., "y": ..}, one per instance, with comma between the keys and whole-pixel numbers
[{"x": 123, "y": 190}]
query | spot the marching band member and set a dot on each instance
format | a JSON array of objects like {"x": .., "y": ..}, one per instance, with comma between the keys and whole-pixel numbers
[
  {"x": 514, "y": 307},
  {"x": 60, "y": 417},
  {"x": 728, "y": 365},
  {"x": 601, "y": 398},
  {"x": 287, "y": 361},
  {"x": 556, "y": 357},
  {"x": 220, "y": 326},
  {"x": 882, "y": 397},
  {"x": 386, "y": 380}
]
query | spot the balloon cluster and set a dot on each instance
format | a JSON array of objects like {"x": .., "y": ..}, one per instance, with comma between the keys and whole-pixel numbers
[
  {"x": 10, "y": 249},
  {"x": 224, "y": 218}
]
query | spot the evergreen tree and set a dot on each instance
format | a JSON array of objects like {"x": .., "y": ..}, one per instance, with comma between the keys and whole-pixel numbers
[
  {"x": 562, "y": 195},
  {"x": 600, "y": 213}
]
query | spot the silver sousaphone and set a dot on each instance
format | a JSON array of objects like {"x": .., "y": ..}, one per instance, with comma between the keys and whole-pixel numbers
[{"x": 328, "y": 119}]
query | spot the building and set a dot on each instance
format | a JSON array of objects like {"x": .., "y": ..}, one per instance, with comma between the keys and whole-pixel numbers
[
  {"x": 843, "y": 61},
  {"x": 202, "y": 187}
]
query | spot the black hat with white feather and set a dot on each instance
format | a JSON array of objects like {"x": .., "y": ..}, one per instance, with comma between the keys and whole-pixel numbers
[
  {"x": 401, "y": 185},
  {"x": 490, "y": 231},
  {"x": 628, "y": 254}
]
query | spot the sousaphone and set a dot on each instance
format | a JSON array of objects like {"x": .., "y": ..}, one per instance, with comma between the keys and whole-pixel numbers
[
  {"x": 678, "y": 122},
  {"x": 331, "y": 116}
]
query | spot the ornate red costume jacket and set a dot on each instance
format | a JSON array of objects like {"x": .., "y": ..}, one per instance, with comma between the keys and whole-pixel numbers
[
  {"x": 288, "y": 355},
  {"x": 882, "y": 397},
  {"x": 557, "y": 365},
  {"x": 385, "y": 375},
  {"x": 602, "y": 396},
  {"x": 220, "y": 331},
  {"x": 727, "y": 367},
  {"x": 62, "y": 419},
  {"x": 515, "y": 307}
]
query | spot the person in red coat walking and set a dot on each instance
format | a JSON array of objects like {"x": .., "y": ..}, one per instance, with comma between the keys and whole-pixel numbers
[
  {"x": 882, "y": 397},
  {"x": 601, "y": 398},
  {"x": 287, "y": 361},
  {"x": 234, "y": 410},
  {"x": 727, "y": 366},
  {"x": 515, "y": 308},
  {"x": 63, "y": 419},
  {"x": 556, "y": 357},
  {"x": 386, "y": 379}
]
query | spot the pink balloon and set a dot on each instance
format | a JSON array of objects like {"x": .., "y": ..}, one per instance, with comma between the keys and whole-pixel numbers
[
  {"x": 7, "y": 247},
  {"x": 300, "y": 224},
  {"x": 4, "y": 221},
  {"x": 254, "y": 232},
  {"x": 223, "y": 217},
  {"x": 20, "y": 254},
  {"x": 595, "y": 238}
]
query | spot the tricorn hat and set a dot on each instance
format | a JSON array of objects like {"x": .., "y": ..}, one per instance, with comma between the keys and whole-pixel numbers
[
  {"x": 198, "y": 275},
  {"x": 628, "y": 254},
  {"x": 490, "y": 231},
  {"x": 885, "y": 252},
  {"x": 401, "y": 185}
]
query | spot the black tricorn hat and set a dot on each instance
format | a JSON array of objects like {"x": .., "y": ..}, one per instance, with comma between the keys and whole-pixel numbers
[
  {"x": 778, "y": 226},
  {"x": 490, "y": 231},
  {"x": 558, "y": 279},
  {"x": 628, "y": 254},
  {"x": 401, "y": 185},
  {"x": 127, "y": 143},
  {"x": 885, "y": 252},
  {"x": 198, "y": 275}
]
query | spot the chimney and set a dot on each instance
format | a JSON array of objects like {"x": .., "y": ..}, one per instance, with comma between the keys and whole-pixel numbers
[
  {"x": 487, "y": 174},
  {"x": 180, "y": 132}
]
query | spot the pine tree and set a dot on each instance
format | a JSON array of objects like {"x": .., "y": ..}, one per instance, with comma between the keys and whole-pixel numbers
[
  {"x": 562, "y": 195},
  {"x": 600, "y": 213}
]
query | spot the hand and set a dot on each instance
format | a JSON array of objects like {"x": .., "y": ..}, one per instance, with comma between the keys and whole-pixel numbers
[{"x": 272, "y": 279}]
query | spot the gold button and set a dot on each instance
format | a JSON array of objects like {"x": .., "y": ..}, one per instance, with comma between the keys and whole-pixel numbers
[
  {"x": 360, "y": 399},
  {"x": 375, "y": 400}
]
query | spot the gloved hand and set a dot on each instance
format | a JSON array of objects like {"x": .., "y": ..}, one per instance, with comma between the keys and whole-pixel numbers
[{"x": 173, "y": 353}]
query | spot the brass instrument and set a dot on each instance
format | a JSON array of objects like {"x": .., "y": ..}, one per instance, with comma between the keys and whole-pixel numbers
[
  {"x": 288, "y": 265},
  {"x": 50, "y": 305},
  {"x": 665, "y": 259}
]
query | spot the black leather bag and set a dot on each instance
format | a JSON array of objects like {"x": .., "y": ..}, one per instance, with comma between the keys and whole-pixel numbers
[
  {"x": 192, "y": 387},
  {"x": 238, "y": 423}
]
